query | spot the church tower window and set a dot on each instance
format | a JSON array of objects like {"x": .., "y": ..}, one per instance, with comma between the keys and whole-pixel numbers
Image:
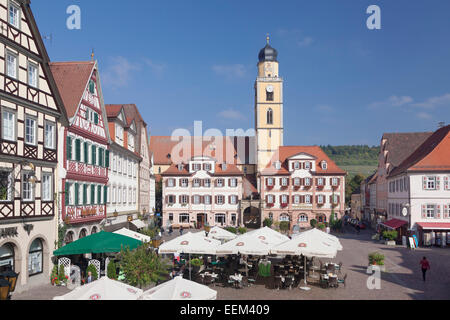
[{"x": 270, "y": 116}]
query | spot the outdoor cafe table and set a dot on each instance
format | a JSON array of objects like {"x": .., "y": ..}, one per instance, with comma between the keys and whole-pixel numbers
[{"x": 213, "y": 275}]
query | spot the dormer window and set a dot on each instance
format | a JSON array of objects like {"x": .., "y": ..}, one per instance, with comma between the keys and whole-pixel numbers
[
  {"x": 307, "y": 165},
  {"x": 196, "y": 167},
  {"x": 207, "y": 166},
  {"x": 324, "y": 165},
  {"x": 180, "y": 167},
  {"x": 224, "y": 167},
  {"x": 296, "y": 165},
  {"x": 196, "y": 183},
  {"x": 278, "y": 165}
]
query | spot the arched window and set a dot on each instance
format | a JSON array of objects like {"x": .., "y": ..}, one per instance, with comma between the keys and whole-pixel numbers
[
  {"x": 83, "y": 234},
  {"x": 68, "y": 238},
  {"x": 6, "y": 257},
  {"x": 94, "y": 230},
  {"x": 303, "y": 218},
  {"x": 35, "y": 259},
  {"x": 284, "y": 217},
  {"x": 270, "y": 116}
]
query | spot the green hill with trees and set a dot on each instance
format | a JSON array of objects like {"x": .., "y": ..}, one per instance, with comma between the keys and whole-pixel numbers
[{"x": 359, "y": 161}]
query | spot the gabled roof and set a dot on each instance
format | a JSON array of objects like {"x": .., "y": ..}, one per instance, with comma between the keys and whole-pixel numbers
[
  {"x": 284, "y": 153},
  {"x": 162, "y": 146},
  {"x": 72, "y": 79},
  {"x": 231, "y": 170},
  {"x": 400, "y": 145},
  {"x": 432, "y": 155}
]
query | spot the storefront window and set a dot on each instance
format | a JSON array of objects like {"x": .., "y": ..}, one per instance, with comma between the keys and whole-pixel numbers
[
  {"x": 35, "y": 258},
  {"x": 69, "y": 238},
  {"x": 220, "y": 218},
  {"x": 83, "y": 234},
  {"x": 184, "y": 218},
  {"x": 6, "y": 257}
]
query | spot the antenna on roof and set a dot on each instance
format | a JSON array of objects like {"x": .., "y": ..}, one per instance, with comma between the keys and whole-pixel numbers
[{"x": 92, "y": 54}]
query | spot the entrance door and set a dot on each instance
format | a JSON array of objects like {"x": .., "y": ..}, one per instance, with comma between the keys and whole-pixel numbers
[{"x": 201, "y": 219}]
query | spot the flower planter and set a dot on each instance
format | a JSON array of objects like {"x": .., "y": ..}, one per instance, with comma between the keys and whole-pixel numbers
[
  {"x": 390, "y": 243},
  {"x": 382, "y": 267}
]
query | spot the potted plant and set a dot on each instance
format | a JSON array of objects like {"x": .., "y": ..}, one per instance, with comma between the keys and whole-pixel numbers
[
  {"x": 231, "y": 229},
  {"x": 313, "y": 223},
  {"x": 93, "y": 270},
  {"x": 62, "y": 278},
  {"x": 111, "y": 271},
  {"x": 242, "y": 230},
  {"x": 196, "y": 264},
  {"x": 390, "y": 237},
  {"x": 377, "y": 259},
  {"x": 284, "y": 226},
  {"x": 267, "y": 222}
]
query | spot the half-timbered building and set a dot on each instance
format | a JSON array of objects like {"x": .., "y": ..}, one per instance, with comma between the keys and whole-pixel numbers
[
  {"x": 84, "y": 148},
  {"x": 31, "y": 114}
]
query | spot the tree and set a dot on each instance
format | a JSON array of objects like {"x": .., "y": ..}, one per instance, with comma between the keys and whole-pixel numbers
[
  {"x": 143, "y": 266},
  {"x": 111, "y": 270},
  {"x": 284, "y": 226},
  {"x": 158, "y": 196}
]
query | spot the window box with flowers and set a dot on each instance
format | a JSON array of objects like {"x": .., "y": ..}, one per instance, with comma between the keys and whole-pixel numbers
[
  {"x": 284, "y": 205},
  {"x": 270, "y": 205}
]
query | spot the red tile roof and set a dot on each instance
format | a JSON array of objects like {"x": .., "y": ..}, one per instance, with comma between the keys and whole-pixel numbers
[
  {"x": 113, "y": 110},
  {"x": 432, "y": 155},
  {"x": 162, "y": 146},
  {"x": 284, "y": 153},
  {"x": 400, "y": 145},
  {"x": 72, "y": 79}
]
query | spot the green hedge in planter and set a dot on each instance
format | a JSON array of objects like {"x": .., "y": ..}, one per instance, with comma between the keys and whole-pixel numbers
[
  {"x": 267, "y": 222},
  {"x": 242, "y": 230},
  {"x": 321, "y": 226},
  {"x": 390, "y": 235},
  {"x": 111, "y": 270},
  {"x": 196, "y": 262},
  {"x": 284, "y": 226},
  {"x": 231, "y": 229},
  {"x": 376, "y": 258},
  {"x": 313, "y": 223}
]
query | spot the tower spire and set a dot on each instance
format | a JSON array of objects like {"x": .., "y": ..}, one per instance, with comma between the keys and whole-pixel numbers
[
  {"x": 268, "y": 38},
  {"x": 92, "y": 55}
]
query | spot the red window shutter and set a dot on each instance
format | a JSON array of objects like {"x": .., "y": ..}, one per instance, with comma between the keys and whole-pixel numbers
[
  {"x": 339, "y": 181},
  {"x": 288, "y": 200},
  {"x": 424, "y": 184},
  {"x": 424, "y": 212},
  {"x": 302, "y": 181},
  {"x": 267, "y": 199},
  {"x": 438, "y": 212},
  {"x": 438, "y": 183},
  {"x": 167, "y": 199}
]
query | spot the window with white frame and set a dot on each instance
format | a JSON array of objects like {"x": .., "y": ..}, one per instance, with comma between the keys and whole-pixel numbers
[
  {"x": 284, "y": 182},
  {"x": 270, "y": 199},
  {"x": 184, "y": 183},
  {"x": 33, "y": 75},
  {"x": 220, "y": 200},
  {"x": 308, "y": 165},
  {"x": 130, "y": 142},
  {"x": 220, "y": 183},
  {"x": 114, "y": 192},
  {"x": 30, "y": 131},
  {"x": 171, "y": 183},
  {"x": 320, "y": 199},
  {"x": 308, "y": 182},
  {"x": 320, "y": 182},
  {"x": 11, "y": 65},
  {"x": 308, "y": 199},
  {"x": 277, "y": 165},
  {"x": 296, "y": 199},
  {"x": 303, "y": 218},
  {"x": 297, "y": 182},
  {"x": 270, "y": 182},
  {"x": 324, "y": 165},
  {"x": 334, "y": 181},
  {"x": 124, "y": 198},
  {"x": 220, "y": 218},
  {"x": 119, "y": 195},
  {"x": 14, "y": 15},
  {"x": 296, "y": 165},
  {"x": 49, "y": 135},
  {"x": 284, "y": 217},
  {"x": 196, "y": 183},
  {"x": 233, "y": 182},
  {"x": 8, "y": 125},
  {"x": 27, "y": 187},
  {"x": 196, "y": 167},
  {"x": 196, "y": 199},
  {"x": 184, "y": 199},
  {"x": 47, "y": 187},
  {"x": 284, "y": 199},
  {"x": 430, "y": 210},
  {"x": 207, "y": 199},
  {"x": 207, "y": 183},
  {"x": 171, "y": 199},
  {"x": 430, "y": 183},
  {"x": 233, "y": 199},
  {"x": 183, "y": 218}
]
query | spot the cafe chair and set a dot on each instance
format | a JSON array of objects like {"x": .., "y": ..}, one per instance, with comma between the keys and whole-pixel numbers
[
  {"x": 278, "y": 283},
  {"x": 342, "y": 280}
]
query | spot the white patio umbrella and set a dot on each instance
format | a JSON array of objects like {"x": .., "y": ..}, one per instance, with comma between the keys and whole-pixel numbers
[
  {"x": 328, "y": 238},
  {"x": 180, "y": 289},
  {"x": 134, "y": 235},
  {"x": 246, "y": 245},
  {"x": 268, "y": 235},
  {"x": 190, "y": 243},
  {"x": 103, "y": 289},
  {"x": 218, "y": 234},
  {"x": 308, "y": 244}
]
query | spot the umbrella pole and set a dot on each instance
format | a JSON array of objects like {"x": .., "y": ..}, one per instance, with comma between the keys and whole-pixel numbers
[
  {"x": 190, "y": 278},
  {"x": 305, "y": 287}
]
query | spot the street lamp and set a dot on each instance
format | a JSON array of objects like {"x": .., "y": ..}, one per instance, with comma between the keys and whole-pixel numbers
[
  {"x": 11, "y": 277},
  {"x": 4, "y": 289}
]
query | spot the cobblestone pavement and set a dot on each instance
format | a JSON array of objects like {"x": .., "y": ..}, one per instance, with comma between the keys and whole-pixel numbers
[{"x": 401, "y": 281}]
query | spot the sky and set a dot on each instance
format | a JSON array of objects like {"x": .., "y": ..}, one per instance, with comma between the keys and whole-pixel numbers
[{"x": 186, "y": 61}]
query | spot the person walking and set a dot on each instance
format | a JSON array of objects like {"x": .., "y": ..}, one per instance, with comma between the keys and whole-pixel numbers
[
  {"x": 181, "y": 230},
  {"x": 358, "y": 228},
  {"x": 425, "y": 267}
]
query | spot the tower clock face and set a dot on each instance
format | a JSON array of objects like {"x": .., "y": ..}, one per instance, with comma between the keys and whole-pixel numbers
[{"x": 269, "y": 88}]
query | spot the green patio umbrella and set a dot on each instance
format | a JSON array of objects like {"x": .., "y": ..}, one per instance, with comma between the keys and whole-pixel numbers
[{"x": 101, "y": 242}]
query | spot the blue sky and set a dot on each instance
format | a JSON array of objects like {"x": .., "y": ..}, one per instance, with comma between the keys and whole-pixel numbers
[{"x": 182, "y": 61}]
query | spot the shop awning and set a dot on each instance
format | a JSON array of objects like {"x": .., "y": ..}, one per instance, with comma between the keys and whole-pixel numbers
[
  {"x": 138, "y": 224},
  {"x": 394, "y": 223},
  {"x": 434, "y": 225},
  {"x": 101, "y": 242}
]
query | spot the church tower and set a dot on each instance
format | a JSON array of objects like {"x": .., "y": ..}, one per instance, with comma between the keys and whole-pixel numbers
[{"x": 268, "y": 107}]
